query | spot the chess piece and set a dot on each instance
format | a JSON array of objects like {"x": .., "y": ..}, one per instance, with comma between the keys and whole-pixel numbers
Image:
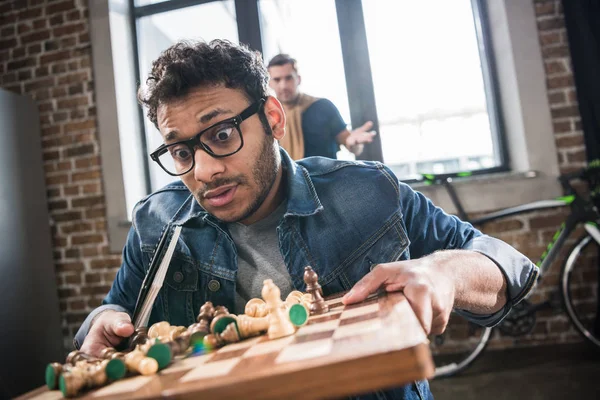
[
  {"x": 139, "y": 337},
  {"x": 221, "y": 321},
  {"x": 279, "y": 323},
  {"x": 220, "y": 310},
  {"x": 159, "y": 330},
  {"x": 256, "y": 308},
  {"x": 251, "y": 326},
  {"x": 136, "y": 361},
  {"x": 83, "y": 375},
  {"x": 53, "y": 373},
  {"x": 317, "y": 304},
  {"x": 114, "y": 368}
]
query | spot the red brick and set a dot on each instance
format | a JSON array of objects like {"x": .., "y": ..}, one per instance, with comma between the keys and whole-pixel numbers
[
  {"x": 88, "y": 162},
  {"x": 67, "y": 216},
  {"x": 562, "y": 127},
  {"x": 74, "y": 15},
  {"x": 91, "y": 188},
  {"x": 80, "y": 150},
  {"x": 86, "y": 176},
  {"x": 7, "y": 31},
  {"x": 93, "y": 277},
  {"x": 53, "y": 57},
  {"x": 39, "y": 83},
  {"x": 57, "y": 179},
  {"x": 50, "y": 155},
  {"x": 106, "y": 263},
  {"x": 570, "y": 141},
  {"x": 35, "y": 37},
  {"x": 551, "y": 23},
  {"x": 96, "y": 213},
  {"x": 555, "y": 52},
  {"x": 40, "y": 23},
  {"x": 71, "y": 190},
  {"x": 88, "y": 202},
  {"x": 60, "y": 7},
  {"x": 73, "y": 78},
  {"x": 100, "y": 290},
  {"x": 51, "y": 45},
  {"x": 51, "y": 193},
  {"x": 77, "y": 226},
  {"x": 41, "y": 72},
  {"x": 557, "y": 98},
  {"x": 59, "y": 116},
  {"x": 73, "y": 279},
  {"x": 563, "y": 112},
  {"x": 75, "y": 266},
  {"x": 84, "y": 38},
  {"x": 72, "y": 253},
  {"x": 87, "y": 239},
  {"x": 30, "y": 13},
  {"x": 578, "y": 156},
  {"x": 72, "y": 102},
  {"x": 78, "y": 126},
  {"x": 559, "y": 82},
  {"x": 555, "y": 67},
  {"x": 545, "y": 8},
  {"x": 59, "y": 92},
  {"x": 27, "y": 62},
  {"x": 56, "y": 20},
  {"x": 18, "y": 52},
  {"x": 90, "y": 251},
  {"x": 8, "y": 44},
  {"x": 76, "y": 305},
  {"x": 57, "y": 205},
  {"x": 25, "y": 75},
  {"x": 68, "y": 29}
]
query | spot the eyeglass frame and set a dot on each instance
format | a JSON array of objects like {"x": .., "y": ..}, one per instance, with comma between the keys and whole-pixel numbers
[{"x": 195, "y": 142}]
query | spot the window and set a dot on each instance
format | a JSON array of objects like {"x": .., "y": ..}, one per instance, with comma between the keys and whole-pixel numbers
[{"x": 429, "y": 87}]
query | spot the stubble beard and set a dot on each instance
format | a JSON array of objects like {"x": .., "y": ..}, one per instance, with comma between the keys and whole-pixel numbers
[{"x": 264, "y": 172}]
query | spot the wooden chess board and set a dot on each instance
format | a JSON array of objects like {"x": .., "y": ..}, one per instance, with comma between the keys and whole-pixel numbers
[{"x": 363, "y": 347}]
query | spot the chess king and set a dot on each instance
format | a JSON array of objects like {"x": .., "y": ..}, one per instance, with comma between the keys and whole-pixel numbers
[{"x": 247, "y": 213}]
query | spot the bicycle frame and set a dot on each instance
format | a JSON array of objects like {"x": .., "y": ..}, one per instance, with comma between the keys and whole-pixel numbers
[{"x": 582, "y": 212}]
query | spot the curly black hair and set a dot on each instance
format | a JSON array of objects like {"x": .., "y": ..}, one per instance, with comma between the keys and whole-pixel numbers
[{"x": 189, "y": 64}]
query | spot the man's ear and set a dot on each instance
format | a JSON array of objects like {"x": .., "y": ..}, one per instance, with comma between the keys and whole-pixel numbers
[
  {"x": 275, "y": 116},
  {"x": 299, "y": 80}
]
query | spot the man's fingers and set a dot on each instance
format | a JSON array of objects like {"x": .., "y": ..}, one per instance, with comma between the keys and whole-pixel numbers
[
  {"x": 367, "y": 285},
  {"x": 122, "y": 327},
  {"x": 107, "y": 331},
  {"x": 419, "y": 298}
]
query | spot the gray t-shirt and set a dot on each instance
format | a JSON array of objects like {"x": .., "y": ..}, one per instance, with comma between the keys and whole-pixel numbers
[{"x": 259, "y": 258}]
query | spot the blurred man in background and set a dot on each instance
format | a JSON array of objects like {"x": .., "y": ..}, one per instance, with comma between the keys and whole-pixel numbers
[{"x": 314, "y": 126}]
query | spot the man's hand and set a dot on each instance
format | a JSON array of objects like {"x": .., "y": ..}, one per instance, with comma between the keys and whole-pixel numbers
[
  {"x": 429, "y": 290},
  {"x": 108, "y": 330},
  {"x": 355, "y": 140}
]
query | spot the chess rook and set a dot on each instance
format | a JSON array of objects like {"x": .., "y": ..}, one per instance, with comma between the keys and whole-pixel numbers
[{"x": 317, "y": 304}]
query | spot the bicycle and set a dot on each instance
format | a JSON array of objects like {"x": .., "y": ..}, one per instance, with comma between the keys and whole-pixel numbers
[{"x": 578, "y": 284}]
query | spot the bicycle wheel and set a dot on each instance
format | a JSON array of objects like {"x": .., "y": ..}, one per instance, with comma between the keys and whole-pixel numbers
[
  {"x": 579, "y": 287},
  {"x": 457, "y": 348}
]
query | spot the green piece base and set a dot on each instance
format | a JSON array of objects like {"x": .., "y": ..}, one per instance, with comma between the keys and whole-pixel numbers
[
  {"x": 298, "y": 314},
  {"x": 115, "y": 369},
  {"x": 161, "y": 353},
  {"x": 51, "y": 377}
]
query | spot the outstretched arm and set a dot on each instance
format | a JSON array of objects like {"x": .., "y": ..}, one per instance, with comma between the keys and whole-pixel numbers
[{"x": 355, "y": 140}]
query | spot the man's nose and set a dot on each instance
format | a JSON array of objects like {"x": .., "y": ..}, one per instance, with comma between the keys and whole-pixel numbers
[{"x": 206, "y": 167}]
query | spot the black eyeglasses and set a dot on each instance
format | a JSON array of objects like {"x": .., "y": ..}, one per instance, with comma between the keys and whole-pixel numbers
[{"x": 219, "y": 140}]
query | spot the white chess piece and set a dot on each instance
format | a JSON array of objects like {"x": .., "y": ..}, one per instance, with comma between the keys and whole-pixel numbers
[{"x": 279, "y": 323}]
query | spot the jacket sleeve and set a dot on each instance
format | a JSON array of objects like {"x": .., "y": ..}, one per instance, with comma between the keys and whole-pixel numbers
[
  {"x": 125, "y": 288},
  {"x": 430, "y": 229}
]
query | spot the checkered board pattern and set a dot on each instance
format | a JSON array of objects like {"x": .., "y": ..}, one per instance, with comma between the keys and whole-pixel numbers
[{"x": 351, "y": 349}]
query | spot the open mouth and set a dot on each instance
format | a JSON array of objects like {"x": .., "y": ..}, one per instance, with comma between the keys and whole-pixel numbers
[{"x": 220, "y": 196}]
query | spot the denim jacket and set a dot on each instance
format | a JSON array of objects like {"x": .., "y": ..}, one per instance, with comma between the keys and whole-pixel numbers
[{"x": 342, "y": 218}]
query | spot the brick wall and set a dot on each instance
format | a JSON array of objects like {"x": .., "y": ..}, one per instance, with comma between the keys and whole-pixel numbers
[{"x": 45, "y": 51}]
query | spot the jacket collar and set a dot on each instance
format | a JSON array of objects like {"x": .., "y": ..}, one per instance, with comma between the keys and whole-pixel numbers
[{"x": 302, "y": 199}]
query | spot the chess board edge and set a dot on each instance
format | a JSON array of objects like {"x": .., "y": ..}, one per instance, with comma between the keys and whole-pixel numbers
[{"x": 413, "y": 364}]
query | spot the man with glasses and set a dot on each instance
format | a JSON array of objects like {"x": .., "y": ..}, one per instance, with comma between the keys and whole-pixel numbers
[{"x": 247, "y": 213}]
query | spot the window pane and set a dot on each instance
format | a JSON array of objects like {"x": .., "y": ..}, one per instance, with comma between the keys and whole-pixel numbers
[
  {"x": 429, "y": 88},
  {"x": 288, "y": 26},
  {"x": 215, "y": 20}
]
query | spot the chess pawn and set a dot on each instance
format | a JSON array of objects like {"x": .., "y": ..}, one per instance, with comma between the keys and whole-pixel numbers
[
  {"x": 139, "y": 337},
  {"x": 256, "y": 308},
  {"x": 317, "y": 304},
  {"x": 230, "y": 334},
  {"x": 180, "y": 344},
  {"x": 220, "y": 310},
  {"x": 159, "y": 330},
  {"x": 251, "y": 326},
  {"x": 175, "y": 332},
  {"x": 53, "y": 373},
  {"x": 136, "y": 361},
  {"x": 279, "y": 323},
  {"x": 114, "y": 368},
  {"x": 73, "y": 381}
]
